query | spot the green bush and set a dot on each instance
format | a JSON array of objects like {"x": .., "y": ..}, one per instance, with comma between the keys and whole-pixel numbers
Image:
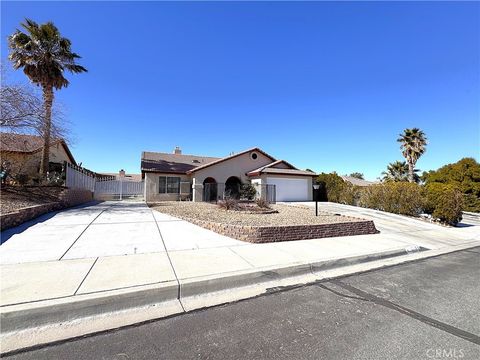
[
  {"x": 338, "y": 190},
  {"x": 444, "y": 202},
  {"x": 396, "y": 197},
  {"x": 463, "y": 175},
  {"x": 248, "y": 192}
]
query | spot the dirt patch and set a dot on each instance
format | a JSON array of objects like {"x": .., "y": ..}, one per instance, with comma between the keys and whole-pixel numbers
[
  {"x": 281, "y": 215},
  {"x": 18, "y": 197}
]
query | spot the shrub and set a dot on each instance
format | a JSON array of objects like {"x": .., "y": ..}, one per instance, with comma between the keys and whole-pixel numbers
[
  {"x": 396, "y": 197},
  {"x": 248, "y": 192},
  {"x": 262, "y": 203},
  {"x": 338, "y": 190},
  {"x": 445, "y": 202},
  {"x": 464, "y": 175},
  {"x": 229, "y": 204}
]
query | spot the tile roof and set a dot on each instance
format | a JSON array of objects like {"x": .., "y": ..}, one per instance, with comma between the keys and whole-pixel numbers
[
  {"x": 172, "y": 163},
  {"x": 24, "y": 143},
  {"x": 272, "y": 164},
  {"x": 271, "y": 170},
  {"x": 358, "y": 182},
  {"x": 20, "y": 142}
]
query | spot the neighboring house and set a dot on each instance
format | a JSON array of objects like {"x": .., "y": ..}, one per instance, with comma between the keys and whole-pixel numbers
[
  {"x": 357, "y": 181},
  {"x": 24, "y": 152},
  {"x": 176, "y": 176},
  {"x": 121, "y": 175}
]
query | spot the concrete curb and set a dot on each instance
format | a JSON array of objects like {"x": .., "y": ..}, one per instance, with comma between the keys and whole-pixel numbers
[{"x": 34, "y": 324}]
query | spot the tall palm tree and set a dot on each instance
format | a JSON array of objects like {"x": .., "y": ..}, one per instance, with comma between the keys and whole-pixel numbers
[
  {"x": 44, "y": 55},
  {"x": 413, "y": 145}
]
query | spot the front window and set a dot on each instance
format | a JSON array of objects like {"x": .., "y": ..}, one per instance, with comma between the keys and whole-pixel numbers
[
  {"x": 168, "y": 185},
  {"x": 173, "y": 185},
  {"x": 162, "y": 186}
]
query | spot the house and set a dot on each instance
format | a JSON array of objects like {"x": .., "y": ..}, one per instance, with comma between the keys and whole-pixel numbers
[
  {"x": 175, "y": 176},
  {"x": 358, "y": 182},
  {"x": 121, "y": 175},
  {"x": 23, "y": 153}
]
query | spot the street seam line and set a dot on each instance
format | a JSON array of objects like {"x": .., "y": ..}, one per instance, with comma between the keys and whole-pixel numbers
[
  {"x": 169, "y": 260},
  {"x": 96, "y": 217},
  {"x": 241, "y": 257},
  {"x": 410, "y": 313},
  {"x": 91, "y": 267}
]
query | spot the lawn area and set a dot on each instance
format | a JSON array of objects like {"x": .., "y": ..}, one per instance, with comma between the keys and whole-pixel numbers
[{"x": 286, "y": 215}]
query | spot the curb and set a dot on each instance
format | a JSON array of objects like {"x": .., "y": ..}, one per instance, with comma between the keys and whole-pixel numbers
[{"x": 34, "y": 325}]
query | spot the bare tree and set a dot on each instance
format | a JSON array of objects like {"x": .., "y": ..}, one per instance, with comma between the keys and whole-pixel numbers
[{"x": 22, "y": 111}]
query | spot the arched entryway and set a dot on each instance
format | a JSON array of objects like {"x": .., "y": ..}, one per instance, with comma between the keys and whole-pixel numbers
[
  {"x": 210, "y": 189},
  {"x": 232, "y": 187}
]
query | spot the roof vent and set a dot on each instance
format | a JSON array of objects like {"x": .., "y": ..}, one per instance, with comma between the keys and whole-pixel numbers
[{"x": 177, "y": 150}]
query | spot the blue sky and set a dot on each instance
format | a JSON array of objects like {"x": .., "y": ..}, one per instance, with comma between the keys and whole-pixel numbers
[{"x": 323, "y": 85}]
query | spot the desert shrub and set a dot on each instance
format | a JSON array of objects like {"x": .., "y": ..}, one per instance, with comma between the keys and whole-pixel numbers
[
  {"x": 464, "y": 175},
  {"x": 262, "y": 203},
  {"x": 338, "y": 190},
  {"x": 229, "y": 204},
  {"x": 396, "y": 197},
  {"x": 247, "y": 191},
  {"x": 444, "y": 202}
]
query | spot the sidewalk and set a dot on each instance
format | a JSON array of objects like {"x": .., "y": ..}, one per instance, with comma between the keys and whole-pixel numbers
[{"x": 82, "y": 266}]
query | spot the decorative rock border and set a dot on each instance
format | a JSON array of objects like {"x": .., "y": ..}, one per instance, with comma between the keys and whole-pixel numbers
[
  {"x": 67, "y": 198},
  {"x": 264, "y": 234}
]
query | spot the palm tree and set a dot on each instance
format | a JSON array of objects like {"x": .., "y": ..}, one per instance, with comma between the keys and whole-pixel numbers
[
  {"x": 44, "y": 55},
  {"x": 413, "y": 145},
  {"x": 398, "y": 171}
]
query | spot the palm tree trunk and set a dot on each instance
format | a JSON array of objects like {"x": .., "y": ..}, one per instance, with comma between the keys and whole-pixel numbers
[
  {"x": 47, "y": 125},
  {"x": 411, "y": 167}
]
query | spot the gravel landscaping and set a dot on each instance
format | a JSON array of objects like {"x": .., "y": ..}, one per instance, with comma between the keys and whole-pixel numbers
[
  {"x": 287, "y": 215},
  {"x": 18, "y": 197}
]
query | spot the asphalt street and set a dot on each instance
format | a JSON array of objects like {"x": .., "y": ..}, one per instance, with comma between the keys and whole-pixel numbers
[{"x": 428, "y": 309}]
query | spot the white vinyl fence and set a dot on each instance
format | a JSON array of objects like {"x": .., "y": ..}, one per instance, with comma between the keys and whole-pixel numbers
[
  {"x": 78, "y": 178},
  {"x": 118, "y": 189},
  {"x": 102, "y": 188}
]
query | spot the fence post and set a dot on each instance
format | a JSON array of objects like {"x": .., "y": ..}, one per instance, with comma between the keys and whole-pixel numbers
[{"x": 120, "y": 184}]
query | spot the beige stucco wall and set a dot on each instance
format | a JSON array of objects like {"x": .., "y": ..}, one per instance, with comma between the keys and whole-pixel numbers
[
  {"x": 281, "y": 166},
  {"x": 152, "y": 187},
  {"x": 237, "y": 166}
]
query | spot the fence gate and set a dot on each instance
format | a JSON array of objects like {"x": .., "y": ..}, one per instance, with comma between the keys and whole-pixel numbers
[{"x": 118, "y": 189}]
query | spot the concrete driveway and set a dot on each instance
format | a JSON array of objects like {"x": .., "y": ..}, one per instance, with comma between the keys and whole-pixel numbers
[{"x": 105, "y": 229}]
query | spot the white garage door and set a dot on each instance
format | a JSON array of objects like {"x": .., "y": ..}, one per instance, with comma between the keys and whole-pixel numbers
[{"x": 290, "y": 189}]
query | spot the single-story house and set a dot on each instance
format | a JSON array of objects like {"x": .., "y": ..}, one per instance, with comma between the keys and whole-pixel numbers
[
  {"x": 23, "y": 153},
  {"x": 121, "y": 175},
  {"x": 175, "y": 176}
]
